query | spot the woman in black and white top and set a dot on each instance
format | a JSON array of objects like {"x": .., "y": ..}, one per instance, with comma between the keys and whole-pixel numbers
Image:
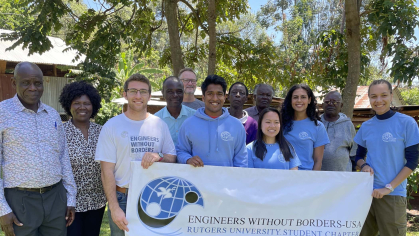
[{"x": 81, "y": 101}]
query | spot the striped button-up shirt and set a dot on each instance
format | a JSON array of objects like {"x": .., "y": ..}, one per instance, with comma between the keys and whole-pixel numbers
[{"x": 33, "y": 151}]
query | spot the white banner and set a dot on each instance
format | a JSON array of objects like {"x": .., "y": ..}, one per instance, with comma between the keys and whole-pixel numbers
[{"x": 176, "y": 199}]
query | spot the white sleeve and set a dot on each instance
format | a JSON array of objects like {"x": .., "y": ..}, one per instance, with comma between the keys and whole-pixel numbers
[
  {"x": 168, "y": 147},
  {"x": 106, "y": 147}
]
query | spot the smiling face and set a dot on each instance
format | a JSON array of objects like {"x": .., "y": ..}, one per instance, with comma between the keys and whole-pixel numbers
[
  {"x": 237, "y": 96},
  {"x": 81, "y": 109},
  {"x": 173, "y": 93},
  {"x": 188, "y": 79},
  {"x": 138, "y": 95},
  {"x": 300, "y": 100},
  {"x": 28, "y": 82},
  {"x": 214, "y": 99},
  {"x": 380, "y": 98},
  {"x": 270, "y": 125},
  {"x": 263, "y": 96}
]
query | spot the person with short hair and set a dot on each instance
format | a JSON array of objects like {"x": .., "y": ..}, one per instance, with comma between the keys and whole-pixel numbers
[
  {"x": 302, "y": 127},
  {"x": 262, "y": 94},
  {"x": 174, "y": 114},
  {"x": 81, "y": 101},
  {"x": 212, "y": 136},
  {"x": 37, "y": 189},
  {"x": 134, "y": 135},
  {"x": 390, "y": 141},
  {"x": 342, "y": 148},
  {"x": 237, "y": 95},
  {"x": 188, "y": 78},
  {"x": 271, "y": 150}
]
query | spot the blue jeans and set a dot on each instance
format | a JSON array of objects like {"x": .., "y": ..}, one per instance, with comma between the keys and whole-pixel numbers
[{"x": 122, "y": 200}]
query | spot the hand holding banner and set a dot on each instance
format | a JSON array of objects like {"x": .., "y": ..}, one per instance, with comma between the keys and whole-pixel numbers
[{"x": 175, "y": 199}]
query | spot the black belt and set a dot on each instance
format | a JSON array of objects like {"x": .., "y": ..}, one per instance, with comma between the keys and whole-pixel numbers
[{"x": 40, "y": 190}]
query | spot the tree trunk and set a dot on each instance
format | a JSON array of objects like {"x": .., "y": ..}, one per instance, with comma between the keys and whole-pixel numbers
[
  {"x": 170, "y": 10},
  {"x": 212, "y": 37},
  {"x": 353, "y": 39}
]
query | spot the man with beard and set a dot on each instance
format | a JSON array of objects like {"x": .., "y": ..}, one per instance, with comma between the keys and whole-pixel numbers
[
  {"x": 212, "y": 136},
  {"x": 237, "y": 95},
  {"x": 262, "y": 94},
  {"x": 188, "y": 78},
  {"x": 341, "y": 150},
  {"x": 174, "y": 114},
  {"x": 134, "y": 135}
]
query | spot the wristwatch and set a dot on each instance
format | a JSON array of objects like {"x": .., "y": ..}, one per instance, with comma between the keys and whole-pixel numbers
[
  {"x": 161, "y": 156},
  {"x": 388, "y": 186}
]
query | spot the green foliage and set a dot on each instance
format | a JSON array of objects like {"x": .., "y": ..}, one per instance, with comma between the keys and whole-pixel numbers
[
  {"x": 395, "y": 22},
  {"x": 108, "y": 110},
  {"x": 410, "y": 96}
]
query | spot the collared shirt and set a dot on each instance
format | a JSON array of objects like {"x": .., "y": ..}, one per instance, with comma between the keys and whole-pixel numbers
[
  {"x": 33, "y": 150},
  {"x": 253, "y": 112},
  {"x": 175, "y": 124},
  {"x": 90, "y": 194}
]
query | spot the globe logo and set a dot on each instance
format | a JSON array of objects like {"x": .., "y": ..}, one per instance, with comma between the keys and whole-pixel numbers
[
  {"x": 162, "y": 199},
  {"x": 388, "y": 137},
  {"x": 303, "y": 135}
]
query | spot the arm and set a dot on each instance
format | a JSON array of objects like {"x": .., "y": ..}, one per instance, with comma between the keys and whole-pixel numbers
[
  {"x": 318, "y": 157},
  {"x": 240, "y": 158},
  {"x": 109, "y": 185},
  {"x": 250, "y": 156},
  {"x": 7, "y": 218},
  {"x": 183, "y": 148},
  {"x": 67, "y": 172},
  {"x": 411, "y": 155}
]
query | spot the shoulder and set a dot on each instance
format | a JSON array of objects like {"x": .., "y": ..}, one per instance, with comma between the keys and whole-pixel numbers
[
  {"x": 160, "y": 112},
  {"x": 405, "y": 118},
  {"x": 50, "y": 110},
  {"x": 116, "y": 120},
  {"x": 189, "y": 111},
  {"x": 199, "y": 101},
  {"x": 233, "y": 121},
  {"x": 96, "y": 126}
]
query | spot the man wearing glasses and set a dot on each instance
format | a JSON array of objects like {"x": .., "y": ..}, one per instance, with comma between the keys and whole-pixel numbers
[
  {"x": 135, "y": 135},
  {"x": 188, "y": 78},
  {"x": 341, "y": 149}
]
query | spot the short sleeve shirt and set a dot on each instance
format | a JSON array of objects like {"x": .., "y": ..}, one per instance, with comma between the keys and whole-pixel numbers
[
  {"x": 386, "y": 141},
  {"x": 273, "y": 158},
  {"x": 304, "y": 137},
  {"x": 123, "y": 140}
]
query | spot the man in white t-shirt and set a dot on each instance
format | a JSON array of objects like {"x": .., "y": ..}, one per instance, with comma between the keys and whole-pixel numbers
[{"x": 135, "y": 135}]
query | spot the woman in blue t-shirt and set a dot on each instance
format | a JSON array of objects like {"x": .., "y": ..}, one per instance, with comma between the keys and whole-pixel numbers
[
  {"x": 302, "y": 126},
  {"x": 391, "y": 139},
  {"x": 271, "y": 150}
]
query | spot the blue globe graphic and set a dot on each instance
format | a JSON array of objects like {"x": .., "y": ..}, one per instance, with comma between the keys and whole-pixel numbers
[{"x": 163, "y": 198}]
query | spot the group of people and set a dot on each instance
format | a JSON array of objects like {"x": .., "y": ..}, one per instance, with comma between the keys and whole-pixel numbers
[{"x": 57, "y": 178}]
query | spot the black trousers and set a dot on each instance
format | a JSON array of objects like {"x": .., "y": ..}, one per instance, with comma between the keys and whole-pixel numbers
[
  {"x": 41, "y": 214},
  {"x": 87, "y": 223}
]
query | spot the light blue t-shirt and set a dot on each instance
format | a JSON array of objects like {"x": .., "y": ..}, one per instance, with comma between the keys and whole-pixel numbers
[
  {"x": 175, "y": 124},
  {"x": 273, "y": 158},
  {"x": 386, "y": 141},
  {"x": 304, "y": 137}
]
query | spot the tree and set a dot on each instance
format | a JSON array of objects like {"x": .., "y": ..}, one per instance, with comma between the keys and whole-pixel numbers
[{"x": 353, "y": 39}]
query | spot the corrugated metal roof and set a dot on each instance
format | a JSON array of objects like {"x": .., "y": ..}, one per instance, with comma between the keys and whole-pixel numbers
[{"x": 55, "y": 56}]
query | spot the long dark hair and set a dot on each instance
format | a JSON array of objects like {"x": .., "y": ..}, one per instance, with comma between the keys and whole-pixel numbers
[
  {"x": 288, "y": 112},
  {"x": 259, "y": 146}
]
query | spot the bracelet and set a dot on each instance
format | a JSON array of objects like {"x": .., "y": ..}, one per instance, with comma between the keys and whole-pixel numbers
[
  {"x": 161, "y": 159},
  {"x": 365, "y": 164}
]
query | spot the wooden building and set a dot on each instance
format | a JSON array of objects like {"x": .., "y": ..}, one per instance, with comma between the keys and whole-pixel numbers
[{"x": 54, "y": 64}]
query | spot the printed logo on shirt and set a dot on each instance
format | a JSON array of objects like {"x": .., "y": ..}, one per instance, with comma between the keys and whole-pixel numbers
[
  {"x": 141, "y": 144},
  {"x": 281, "y": 158},
  {"x": 124, "y": 134},
  {"x": 226, "y": 136},
  {"x": 303, "y": 135},
  {"x": 388, "y": 137}
]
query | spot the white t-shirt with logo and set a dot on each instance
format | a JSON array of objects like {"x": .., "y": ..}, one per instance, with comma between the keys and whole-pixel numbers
[{"x": 123, "y": 140}]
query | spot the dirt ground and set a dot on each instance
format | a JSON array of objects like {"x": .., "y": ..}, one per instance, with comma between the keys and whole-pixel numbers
[{"x": 413, "y": 216}]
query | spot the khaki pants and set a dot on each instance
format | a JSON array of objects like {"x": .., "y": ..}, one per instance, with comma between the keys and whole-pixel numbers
[{"x": 387, "y": 216}]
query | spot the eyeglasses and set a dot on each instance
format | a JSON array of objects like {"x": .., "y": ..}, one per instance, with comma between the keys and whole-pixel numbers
[
  {"x": 334, "y": 103},
  {"x": 192, "y": 81},
  {"x": 134, "y": 91}
]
